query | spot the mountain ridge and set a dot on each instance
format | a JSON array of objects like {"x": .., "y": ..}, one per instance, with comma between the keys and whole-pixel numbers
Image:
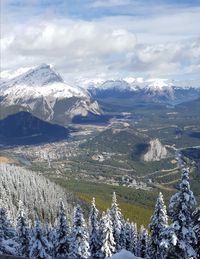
[
  {"x": 154, "y": 90},
  {"x": 42, "y": 91}
]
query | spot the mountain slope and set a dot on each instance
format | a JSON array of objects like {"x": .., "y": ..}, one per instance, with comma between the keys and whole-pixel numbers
[
  {"x": 43, "y": 92},
  {"x": 23, "y": 129}
]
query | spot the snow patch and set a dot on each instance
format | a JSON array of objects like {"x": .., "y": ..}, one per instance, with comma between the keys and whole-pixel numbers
[{"x": 123, "y": 254}]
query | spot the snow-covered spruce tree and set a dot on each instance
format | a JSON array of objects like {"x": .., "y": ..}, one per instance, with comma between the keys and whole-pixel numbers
[
  {"x": 180, "y": 210},
  {"x": 134, "y": 235},
  {"x": 129, "y": 237},
  {"x": 107, "y": 247},
  {"x": 39, "y": 246},
  {"x": 62, "y": 233},
  {"x": 122, "y": 237},
  {"x": 143, "y": 242},
  {"x": 23, "y": 231},
  {"x": 159, "y": 222},
  {"x": 196, "y": 227},
  {"x": 94, "y": 230},
  {"x": 116, "y": 218},
  {"x": 79, "y": 247},
  {"x": 50, "y": 234},
  {"x": 169, "y": 240},
  {"x": 8, "y": 245}
]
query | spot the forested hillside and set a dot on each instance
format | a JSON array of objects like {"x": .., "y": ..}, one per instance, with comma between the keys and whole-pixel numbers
[
  {"x": 38, "y": 194},
  {"x": 173, "y": 232}
]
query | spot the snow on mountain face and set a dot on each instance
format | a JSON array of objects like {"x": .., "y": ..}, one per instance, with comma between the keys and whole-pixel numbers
[
  {"x": 120, "y": 84},
  {"x": 129, "y": 86},
  {"x": 87, "y": 83},
  {"x": 157, "y": 84},
  {"x": 162, "y": 87},
  {"x": 40, "y": 90},
  {"x": 52, "y": 90},
  {"x": 117, "y": 84},
  {"x": 9, "y": 74},
  {"x": 39, "y": 76},
  {"x": 154, "y": 84},
  {"x": 156, "y": 90}
]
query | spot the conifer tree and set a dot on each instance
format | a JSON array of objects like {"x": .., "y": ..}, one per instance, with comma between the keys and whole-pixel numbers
[
  {"x": 50, "y": 234},
  {"x": 180, "y": 209},
  {"x": 107, "y": 247},
  {"x": 129, "y": 237},
  {"x": 94, "y": 230},
  {"x": 158, "y": 224},
  {"x": 169, "y": 240},
  {"x": 134, "y": 235},
  {"x": 116, "y": 218},
  {"x": 62, "y": 233},
  {"x": 23, "y": 231},
  {"x": 8, "y": 231},
  {"x": 39, "y": 246},
  {"x": 122, "y": 237},
  {"x": 143, "y": 242},
  {"x": 80, "y": 237},
  {"x": 196, "y": 226},
  {"x": 8, "y": 245}
]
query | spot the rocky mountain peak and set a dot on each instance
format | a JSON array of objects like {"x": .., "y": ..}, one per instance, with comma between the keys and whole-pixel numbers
[
  {"x": 38, "y": 76},
  {"x": 156, "y": 151}
]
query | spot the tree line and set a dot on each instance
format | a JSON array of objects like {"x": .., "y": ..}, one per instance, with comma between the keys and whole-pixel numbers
[{"x": 172, "y": 233}]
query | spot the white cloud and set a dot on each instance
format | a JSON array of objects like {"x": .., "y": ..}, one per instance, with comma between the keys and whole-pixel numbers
[
  {"x": 163, "y": 44},
  {"x": 72, "y": 46}
]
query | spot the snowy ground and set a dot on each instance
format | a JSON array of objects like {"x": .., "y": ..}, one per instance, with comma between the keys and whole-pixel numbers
[{"x": 123, "y": 254}]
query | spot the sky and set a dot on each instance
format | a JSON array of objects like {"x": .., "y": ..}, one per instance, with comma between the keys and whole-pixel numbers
[{"x": 103, "y": 38}]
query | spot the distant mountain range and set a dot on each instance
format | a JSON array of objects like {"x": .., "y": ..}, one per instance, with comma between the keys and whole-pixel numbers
[
  {"x": 44, "y": 93},
  {"x": 154, "y": 90},
  {"x": 24, "y": 129},
  {"x": 154, "y": 84}
]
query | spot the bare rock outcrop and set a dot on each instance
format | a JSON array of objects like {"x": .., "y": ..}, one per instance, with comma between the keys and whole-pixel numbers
[{"x": 156, "y": 151}]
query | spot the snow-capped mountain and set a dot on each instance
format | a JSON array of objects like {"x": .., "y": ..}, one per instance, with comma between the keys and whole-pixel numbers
[
  {"x": 156, "y": 90},
  {"x": 114, "y": 88},
  {"x": 43, "y": 92},
  {"x": 153, "y": 84}
]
